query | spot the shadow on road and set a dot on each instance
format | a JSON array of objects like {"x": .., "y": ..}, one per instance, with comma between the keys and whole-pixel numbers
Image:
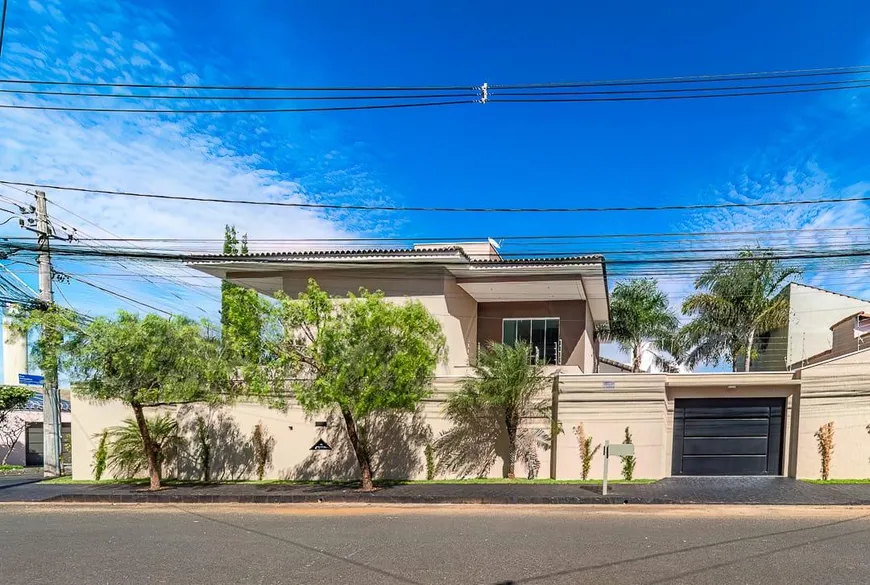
[{"x": 577, "y": 570}]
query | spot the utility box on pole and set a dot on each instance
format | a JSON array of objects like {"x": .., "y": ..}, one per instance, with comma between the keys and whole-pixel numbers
[{"x": 50, "y": 394}]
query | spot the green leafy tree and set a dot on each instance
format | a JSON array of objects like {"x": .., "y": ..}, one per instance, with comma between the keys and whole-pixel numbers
[
  {"x": 12, "y": 398},
  {"x": 151, "y": 361},
  {"x": 641, "y": 319},
  {"x": 362, "y": 355},
  {"x": 54, "y": 327},
  {"x": 738, "y": 301},
  {"x": 508, "y": 385},
  {"x": 241, "y": 308},
  {"x": 126, "y": 454}
]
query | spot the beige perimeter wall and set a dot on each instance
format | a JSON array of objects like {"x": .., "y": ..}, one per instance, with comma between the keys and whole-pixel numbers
[
  {"x": 838, "y": 391},
  {"x": 605, "y": 404}
]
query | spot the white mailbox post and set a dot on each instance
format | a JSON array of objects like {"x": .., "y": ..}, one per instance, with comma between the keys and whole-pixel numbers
[{"x": 618, "y": 450}]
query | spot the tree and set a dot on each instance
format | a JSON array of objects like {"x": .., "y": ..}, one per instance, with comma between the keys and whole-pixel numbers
[
  {"x": 12, "y": 398},
  {"x": 56, "y": 327},
  {"x": 361, "y": 355},
  {"x": 641, "y": 319},
  {"x": 507, "y": 383},
  {"x": 126, "y": 454},
  {"x": 148, "y": 362},
  {"x": 739, "y": 300},
  {"x": 241, "y": 307}
]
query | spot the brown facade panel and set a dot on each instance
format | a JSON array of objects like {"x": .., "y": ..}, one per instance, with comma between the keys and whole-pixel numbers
[{"x": 571, "y": 315}]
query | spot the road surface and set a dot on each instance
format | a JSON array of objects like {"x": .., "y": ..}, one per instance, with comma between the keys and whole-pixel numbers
[{"x": 223, "y": 544}]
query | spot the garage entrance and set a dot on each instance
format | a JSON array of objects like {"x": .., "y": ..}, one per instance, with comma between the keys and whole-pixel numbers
[
  {"x": 34, "y": 446},
  {"x": 728, "y": 436}
]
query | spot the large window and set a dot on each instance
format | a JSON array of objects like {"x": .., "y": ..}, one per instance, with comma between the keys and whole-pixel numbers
[{"x": 541, "y": 334}]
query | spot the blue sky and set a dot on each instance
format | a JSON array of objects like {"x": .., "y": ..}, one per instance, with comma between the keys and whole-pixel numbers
[{"x": 760, "y": 148}]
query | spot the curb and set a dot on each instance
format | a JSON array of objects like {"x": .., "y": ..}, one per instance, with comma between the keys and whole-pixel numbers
[
  {"x": 359, "y": 498},
  {"x": 144, "y": 498}
]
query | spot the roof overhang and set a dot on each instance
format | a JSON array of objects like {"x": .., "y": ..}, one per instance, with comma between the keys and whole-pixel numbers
[{"x": 486, "y": 280}]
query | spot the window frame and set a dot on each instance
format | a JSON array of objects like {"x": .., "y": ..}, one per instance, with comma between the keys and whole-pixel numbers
[{"x": 556, "y": 357}]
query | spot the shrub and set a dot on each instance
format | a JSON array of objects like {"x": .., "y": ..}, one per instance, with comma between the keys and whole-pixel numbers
[
  {"x": 628, "y": 461},
  {"x": 263, "y": 446},
  {"x": 100, "y": 456},
  {"x": 586, "y": 450},
  {"x": 203, "y": 451},
  {"x": 825, "y": 437},
  {"x": 126, "y": 452},
  {"x": 430, "y": 462}
]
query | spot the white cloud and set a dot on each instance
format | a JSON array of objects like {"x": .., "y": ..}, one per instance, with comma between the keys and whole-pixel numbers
[{"x": 221, "y": 157}]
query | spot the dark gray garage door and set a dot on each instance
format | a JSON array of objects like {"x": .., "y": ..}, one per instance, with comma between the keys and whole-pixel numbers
[
  {"x": 33, "y": 442},
  {"x": 728, "y": 436}
]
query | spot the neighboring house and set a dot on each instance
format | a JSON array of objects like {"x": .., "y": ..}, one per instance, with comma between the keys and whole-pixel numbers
[
  {"x": 609, "y": 366},
  {"x": 812, "y": 314},
  {"x": 476, "y": 294},
  {"x": 734, "y": 423},
  {"x": 26, "y": 426}
]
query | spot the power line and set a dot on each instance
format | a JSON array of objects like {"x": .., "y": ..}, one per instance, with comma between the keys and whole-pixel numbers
[
  {"x": 479, "y": 238},
  {"x": 237, "y": 111},
  {"x": 168, "y": 278},
  {"x": 3, "y": 25},
  {"x": 760, "y": 75},
  {"x": 686, "y": 79},
  {"x": 189, "y": 97},
  {"x": 117, "y": 294},
  {"x": 440, "y": 209},
  {"x": 495, "y": 93},
  {"x": 319, "y": 256},
  {"x": 642, "y": 98}
]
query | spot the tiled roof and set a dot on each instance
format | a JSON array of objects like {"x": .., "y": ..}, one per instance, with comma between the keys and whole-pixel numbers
[
  {"x": 35, "y": 403},
  {"x": 589, "y": 259},
  {"x": 340, "y": 252}
]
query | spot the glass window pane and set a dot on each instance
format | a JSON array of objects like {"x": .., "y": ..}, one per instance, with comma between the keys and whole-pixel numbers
[
  {"x": 538, "y": 326},
  {"x": 509, "y": 331},
  {"x": 552, "y": 341},
  {"x": 524, "y": 330}
]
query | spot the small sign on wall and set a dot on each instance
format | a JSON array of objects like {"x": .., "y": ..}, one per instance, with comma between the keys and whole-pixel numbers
[
  {"x": 608, "y": 385},
  {"x": 321, "y": 445}
]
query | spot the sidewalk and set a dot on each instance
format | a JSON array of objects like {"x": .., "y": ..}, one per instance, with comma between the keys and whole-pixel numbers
[{"x": 719, "y": 490}]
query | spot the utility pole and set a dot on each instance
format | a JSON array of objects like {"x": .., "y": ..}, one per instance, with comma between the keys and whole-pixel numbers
[{"x": 51, "y": 429}]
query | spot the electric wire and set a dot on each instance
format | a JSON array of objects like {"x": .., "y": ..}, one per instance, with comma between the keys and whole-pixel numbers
[{"x": 687, "y": 207}]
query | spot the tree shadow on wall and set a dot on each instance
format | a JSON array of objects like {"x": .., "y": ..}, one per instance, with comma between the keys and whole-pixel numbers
[
  {"x": 478, "y": 439},
  {"x": 231, "y": 450},
  {"x": 396, "y": 441}
]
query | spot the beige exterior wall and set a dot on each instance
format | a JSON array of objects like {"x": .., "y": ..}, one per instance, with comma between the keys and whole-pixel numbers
[
  {"x": 838, "y": 391},
  {"x": 811, "y": 314},
  {"x": 606, "y": 404}
]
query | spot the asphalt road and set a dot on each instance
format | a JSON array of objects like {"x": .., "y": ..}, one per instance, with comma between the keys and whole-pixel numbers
[{"x": 218, "y": 545}]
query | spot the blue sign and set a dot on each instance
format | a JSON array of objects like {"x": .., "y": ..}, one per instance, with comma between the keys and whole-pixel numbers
[{"x": 31, "y": 379}]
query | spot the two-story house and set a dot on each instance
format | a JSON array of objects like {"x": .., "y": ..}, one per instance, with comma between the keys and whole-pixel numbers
[{"x": 477, "y": 295}]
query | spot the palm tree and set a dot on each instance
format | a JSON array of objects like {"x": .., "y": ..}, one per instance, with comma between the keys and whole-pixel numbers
[
  {"x": 739, "y": 300},
  {"x": 506, "y": 388},
  {"x": 641, "y": 320}
]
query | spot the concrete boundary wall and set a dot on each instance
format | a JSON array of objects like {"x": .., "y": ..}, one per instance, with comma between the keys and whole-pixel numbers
[{"x": 605, "y": 404}]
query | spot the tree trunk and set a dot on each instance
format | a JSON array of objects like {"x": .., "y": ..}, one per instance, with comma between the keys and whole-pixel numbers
[
  {"x": 635, "y": 358},
  {"x": 362, "y": 454},
  {"x": 747, "y": 361},
  {"x": 511, "y": 422},
  {"x": 148, "y": 444}
]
